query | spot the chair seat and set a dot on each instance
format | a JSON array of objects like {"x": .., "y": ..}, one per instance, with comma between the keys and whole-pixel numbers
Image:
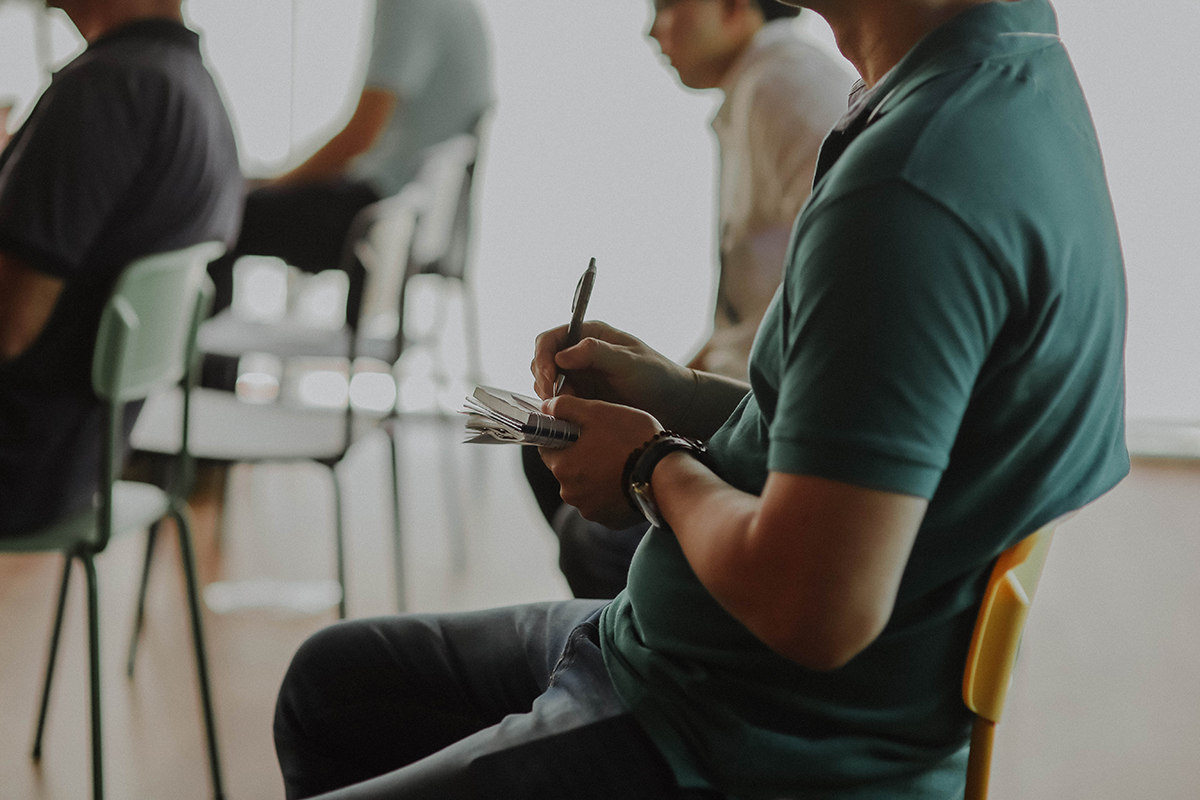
[
  {"x": 135, "y": 507},
  {"x": 228, "y": 335},
  {"x": 227, "y": 429}
]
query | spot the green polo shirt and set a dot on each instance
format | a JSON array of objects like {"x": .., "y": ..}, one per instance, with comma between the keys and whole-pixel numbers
[{"x": 950, "y": 326}]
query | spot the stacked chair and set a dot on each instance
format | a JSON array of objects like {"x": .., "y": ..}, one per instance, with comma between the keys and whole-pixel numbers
[
  {"x": 145, "y": 333},
  {"x": 422, "y": 230}
]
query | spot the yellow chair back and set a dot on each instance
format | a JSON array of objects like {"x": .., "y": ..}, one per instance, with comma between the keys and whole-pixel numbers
[{"x": 994, "y": 646}]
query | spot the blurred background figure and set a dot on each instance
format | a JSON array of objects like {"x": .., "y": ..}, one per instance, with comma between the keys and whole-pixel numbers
[
  {"x": 6, "y": 107},
  {"x": 428, "y": 79},
  {"x": 97, "y": 176},
  {"x": 782, "y": 93}
]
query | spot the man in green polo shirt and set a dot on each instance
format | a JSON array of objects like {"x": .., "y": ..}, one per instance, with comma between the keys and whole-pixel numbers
[{"x": 939, "y": 375}]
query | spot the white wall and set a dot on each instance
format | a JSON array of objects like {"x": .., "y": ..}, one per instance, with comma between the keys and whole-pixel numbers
[
  {"x": 596, "y": 151},
  {"x": 1137, "y": 67}
]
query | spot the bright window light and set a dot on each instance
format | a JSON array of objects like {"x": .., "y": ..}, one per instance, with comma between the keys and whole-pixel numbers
[
  {"x": 373, "y": 391},
  {"x": 321, "y": 299},
  {"x": 259, "y": 388},
  {"x": 260, "y": 288},
  {"x": 323, "y": 389}
]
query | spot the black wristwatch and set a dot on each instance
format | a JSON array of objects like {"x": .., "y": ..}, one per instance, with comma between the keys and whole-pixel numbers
[{"x": 640, "y": 467}]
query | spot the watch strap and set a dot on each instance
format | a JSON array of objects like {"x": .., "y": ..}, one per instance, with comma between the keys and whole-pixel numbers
[{"x": 639, "y": 467}]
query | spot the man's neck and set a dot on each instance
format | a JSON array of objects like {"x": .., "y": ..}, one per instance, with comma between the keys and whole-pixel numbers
[
  {"x": 95, "y": 19},
  {"x": 875, "y": 34}
]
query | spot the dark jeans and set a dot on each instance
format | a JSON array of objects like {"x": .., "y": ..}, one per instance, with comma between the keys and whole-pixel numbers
[
  {"x": 594, "y": 559},
  {"x": 50, "y": 465},
  {"x": 509, "y": 703},
  {"x": 306, "y": 225}
]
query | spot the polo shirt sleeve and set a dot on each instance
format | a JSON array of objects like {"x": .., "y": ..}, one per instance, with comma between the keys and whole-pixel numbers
[
  {"x": 405, "y": 46},
  {"x": 74, "y": 160},
  {"x": 892, "y": 309}
]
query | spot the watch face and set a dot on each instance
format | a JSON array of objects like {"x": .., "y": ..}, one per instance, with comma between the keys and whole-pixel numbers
[{"x": 645, "y": 500}]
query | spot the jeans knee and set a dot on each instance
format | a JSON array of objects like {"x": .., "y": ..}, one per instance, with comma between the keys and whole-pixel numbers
[{"x": 312, "y": 677}]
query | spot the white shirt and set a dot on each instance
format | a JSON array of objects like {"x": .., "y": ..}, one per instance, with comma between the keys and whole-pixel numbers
[{"x": 782, "y": 96}]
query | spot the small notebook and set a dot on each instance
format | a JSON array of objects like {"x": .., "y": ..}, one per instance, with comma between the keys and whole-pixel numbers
[{"x": 495, "y": 416}]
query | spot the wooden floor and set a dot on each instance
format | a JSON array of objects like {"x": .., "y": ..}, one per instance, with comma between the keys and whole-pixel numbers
[{"x": 1105, "y": 701}]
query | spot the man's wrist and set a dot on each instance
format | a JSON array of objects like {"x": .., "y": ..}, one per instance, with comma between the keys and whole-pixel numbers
[{"x": 639, "y": 470}]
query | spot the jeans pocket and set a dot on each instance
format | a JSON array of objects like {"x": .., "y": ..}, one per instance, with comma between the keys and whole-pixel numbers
[{"x": 571, "y": 649}]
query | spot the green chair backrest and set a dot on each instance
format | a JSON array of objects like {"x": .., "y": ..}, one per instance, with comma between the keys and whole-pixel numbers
[
  {"x": 144, "y": 344},
  {"x": 142, "y": 341}
]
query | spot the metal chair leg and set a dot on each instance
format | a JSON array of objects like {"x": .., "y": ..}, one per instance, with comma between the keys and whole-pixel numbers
[
  {"x": 93, "y": 623},
  {"x": 53, "y": 655},
  {"x": 455, "y": 520},
  {"x": 393, "y": 432},
  {"x": 470, "y": 314},
  {"x": 188, "y": 555},
  {"x": 139, "y": 616},
  {"x": 339, "y": 540}
]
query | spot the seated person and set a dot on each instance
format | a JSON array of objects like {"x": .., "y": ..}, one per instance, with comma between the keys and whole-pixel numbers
[
  {"x": 428, "y": 80},
  {"x": 940, "y": 374},
  {"x": 782, "y": 93},
  {"x": 99, "y": 175}
]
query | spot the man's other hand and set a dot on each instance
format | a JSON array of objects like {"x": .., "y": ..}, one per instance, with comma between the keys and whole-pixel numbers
[{"x": 590, "y": 470}]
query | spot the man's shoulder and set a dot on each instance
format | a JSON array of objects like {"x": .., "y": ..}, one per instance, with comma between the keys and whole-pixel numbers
[
  {"x": 790, "y": 55},
  {"x": 790, "y": 79},
  {"x": 135, "y": 70},
  {"x": 984, "y": 135}
]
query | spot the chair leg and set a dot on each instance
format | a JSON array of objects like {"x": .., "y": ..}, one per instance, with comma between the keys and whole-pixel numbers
[
  {"x": 979, "y": 760},
  {"x": 470, "y": 314},
  {"x": 93, "y": 623},
  {"x": 397, "y": 537},
  {"x": 139, "y": 615},
  {"x": 339, "y": 539},
  {"x": 188, "y": 555},
  {"x": 455, "y": 521},
  {"x": 53, "y": 655}
]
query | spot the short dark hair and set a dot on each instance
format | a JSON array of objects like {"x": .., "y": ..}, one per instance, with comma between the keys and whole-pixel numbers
[{"x": 771, "y": 9}]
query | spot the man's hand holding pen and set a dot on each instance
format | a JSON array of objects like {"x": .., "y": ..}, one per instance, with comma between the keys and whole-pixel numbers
[
  {"x": 610, "y": 365},
  {"x": 613, "y": 377}
]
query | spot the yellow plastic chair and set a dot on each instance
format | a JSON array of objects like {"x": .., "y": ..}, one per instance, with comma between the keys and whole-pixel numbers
[
  {"x": 140, "y": 348},
  {"x": 994, "y": 647}
]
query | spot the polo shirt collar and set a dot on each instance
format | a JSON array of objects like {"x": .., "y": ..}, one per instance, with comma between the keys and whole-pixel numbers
[{"x": 972, "y": 37}]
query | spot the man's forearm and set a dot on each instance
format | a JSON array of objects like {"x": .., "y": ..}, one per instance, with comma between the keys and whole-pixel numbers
[
  {"x": 713, "y": 399},
  {"x": 26, "y": 299},
  {"x": 375, "y": 108},
  {"x": 811, "y": 567}
]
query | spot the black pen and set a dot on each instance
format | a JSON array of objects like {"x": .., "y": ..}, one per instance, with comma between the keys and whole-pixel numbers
[{"x": 583, "y": 293}]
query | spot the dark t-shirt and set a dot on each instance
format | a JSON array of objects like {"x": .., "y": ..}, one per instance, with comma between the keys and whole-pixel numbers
[
  {"x": 950, "y": 326},
  {"x": 128, "y": 152}
]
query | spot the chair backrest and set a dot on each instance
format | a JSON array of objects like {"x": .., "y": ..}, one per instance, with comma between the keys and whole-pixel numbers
[
  {"x": 422, "y": 229},
  {"x": 383, "y": 238},
  {"x": 142, "y": 342},
  {"x": 994, "y": 646},
  {"x": 447, "y": 172}
]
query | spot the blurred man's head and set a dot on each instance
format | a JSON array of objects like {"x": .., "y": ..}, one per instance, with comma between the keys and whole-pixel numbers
[{"x": 702, "y": 38}]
